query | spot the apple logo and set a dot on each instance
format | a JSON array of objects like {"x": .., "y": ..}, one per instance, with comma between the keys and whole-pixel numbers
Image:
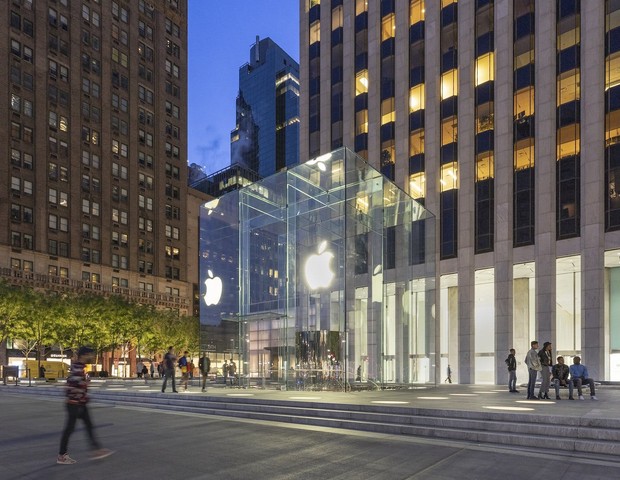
[
  {"x": 317, "y": 268},
  {"x": 213, "y": 289}
]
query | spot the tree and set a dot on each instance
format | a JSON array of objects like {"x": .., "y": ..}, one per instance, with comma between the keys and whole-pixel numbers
[{"x": 13, "y": 308}]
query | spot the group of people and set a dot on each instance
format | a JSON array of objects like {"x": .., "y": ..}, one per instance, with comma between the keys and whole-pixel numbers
[{"x": 558, "y": 374}]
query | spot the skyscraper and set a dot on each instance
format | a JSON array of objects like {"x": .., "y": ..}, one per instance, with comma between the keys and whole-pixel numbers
[
  {"x": 501, "y": 117},
  {"x": 266, "y": 136},
  {"x": 93, "y": 165}
]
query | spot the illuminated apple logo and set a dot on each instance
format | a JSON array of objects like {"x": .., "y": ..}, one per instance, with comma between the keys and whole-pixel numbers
[
  {"x": 213, "y": 289},
  {"x": 318, "y": 270}
]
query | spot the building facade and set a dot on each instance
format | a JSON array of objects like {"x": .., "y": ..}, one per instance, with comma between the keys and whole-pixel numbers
[
  {"x": 266, "y": 136},
  {"x": 93, "y": 166},
  {"x": 517, "y": 158}
]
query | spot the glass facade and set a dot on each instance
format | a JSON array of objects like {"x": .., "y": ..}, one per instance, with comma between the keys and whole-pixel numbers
[
  {"x": 318, "y": 278},
  {"x": 266, "y": 135}
]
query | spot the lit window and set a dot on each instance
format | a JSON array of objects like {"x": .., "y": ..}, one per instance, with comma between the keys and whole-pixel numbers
[
  {"x": 417, "y": 185},
  {"x": 449, "y": 176},
  {"x": 315, "y": 32},
  {"x": 449, "y": 84},
  {"x": 361, "y": 82},
  {"x": 388, "y": 113},
  {"x": 416, "y": 98},
  {"x": 388, "y": 27},
  {"x": 485, "y": 167},
  {"x": 416, "y": 11},
  {"x": 485, "y": 68}
]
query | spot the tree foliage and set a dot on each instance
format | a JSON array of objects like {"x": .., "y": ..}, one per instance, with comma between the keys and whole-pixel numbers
[{"x": 37, "y": 319}]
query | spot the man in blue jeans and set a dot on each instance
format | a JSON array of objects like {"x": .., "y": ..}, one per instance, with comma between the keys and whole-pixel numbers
[
  {"x": 532, "y": 360},
  {"x": 170, "y": 360},
  {"x": 579, "y": 376}
]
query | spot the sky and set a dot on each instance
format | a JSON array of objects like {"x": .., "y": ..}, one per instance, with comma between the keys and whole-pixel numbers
[{"x": 220, "y": 34}]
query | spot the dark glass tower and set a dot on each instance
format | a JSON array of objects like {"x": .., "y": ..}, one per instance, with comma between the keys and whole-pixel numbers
[{"x": 266, "y": 136}]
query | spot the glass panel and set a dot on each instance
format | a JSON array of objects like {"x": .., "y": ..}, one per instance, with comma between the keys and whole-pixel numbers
[
  {"x": 568, "y": 306},
  {"x": 484, "y": 336}
]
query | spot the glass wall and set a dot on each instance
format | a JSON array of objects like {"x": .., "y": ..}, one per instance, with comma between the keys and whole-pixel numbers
[
  {"x": 612, "y": 311},
  {"x": 523, "y": 312},
  {"x": 317, "y": 282},
  {"x": 568, "y": 307},
  {"x": 484, "y": 325},
  {"x": 449, "y": 324}
]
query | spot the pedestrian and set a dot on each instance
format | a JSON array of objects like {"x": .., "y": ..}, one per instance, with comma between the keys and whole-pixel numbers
[
  {"x": 184, "y": 366},
  {"x": 225, "y": 372},
  {"x": 204, "y": 364},
  {"x": 152, "y": 370},
  {"x": 139, "y": 367},
  {"x": 449, "y": 377},
  {"x": 77, "y": 400},
  {"x": 190, "y": 369},
  {"x": 41, "y": 371},
  {"x": 232, "y": 372},
  {"x": 145, "y": 373},
  {"x": 532, "y": 360},
  {"x": 579, "y": 376},
  {"x": 511, "y": 363},
  {"x": 546, "y": 362},
  {"x": 160, "y": 369},
  {"x": 169, "y": 364}
]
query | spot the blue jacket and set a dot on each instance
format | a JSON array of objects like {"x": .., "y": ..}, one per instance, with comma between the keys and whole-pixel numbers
[{"x": 578, "y": 370}]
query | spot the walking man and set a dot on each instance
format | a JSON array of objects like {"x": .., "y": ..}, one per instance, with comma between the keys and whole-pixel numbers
[
  {"x": 77, "y": 399},
  {"x": 184, "y": 366},
  {"x": 170, "y": 360},
  {"x": 449, "y": 377},
  {"x": 533, "y": 365},
  {"x": 204, "y": 364}
]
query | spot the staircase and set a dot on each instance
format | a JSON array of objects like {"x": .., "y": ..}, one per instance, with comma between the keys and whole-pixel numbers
[{"x": 589, "y": 437}]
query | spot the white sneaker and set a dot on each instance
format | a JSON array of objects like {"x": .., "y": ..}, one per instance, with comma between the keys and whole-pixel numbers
[
  {"x": 593, "y": 397},
  {"x": 65, "y": 460},
  {"x": 581, "y": 397}
]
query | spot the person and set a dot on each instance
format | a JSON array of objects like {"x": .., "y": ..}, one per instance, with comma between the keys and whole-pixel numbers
[
  {"x": 225, "y": 372},
  {"x": 560, "y": 378},
  {"x": 184, "y": 366},
  {"x": 139, "y": 369},
  {"x": 169, "y": 364},
  {"x": 41, "y": 371},
  {"x": 579, "y": 376},
  {"x": 358, "y": 374},
  {"x": 77, "y": 400},
  {"x": 204, "y": 364},
  {"x": 190, "y": 369},
  {"x": 232, "y": 372},
  {"x": 546, "y": 362},
  {"x": 511, "y": 362},
  {"x": 532, "y": 360},
  {"x": 145, "y": 373},
  {"x": 160, "y": 369},
  {"x": 152, "y": 370},
  {"x": 449, "y": 377}
]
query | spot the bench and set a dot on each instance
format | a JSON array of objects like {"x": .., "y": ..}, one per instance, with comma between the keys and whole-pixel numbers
[{"x": 10, "y": 371}]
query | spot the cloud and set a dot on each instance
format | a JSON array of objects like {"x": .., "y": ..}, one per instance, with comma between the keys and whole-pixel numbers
[{"x": 210, "y": 152}]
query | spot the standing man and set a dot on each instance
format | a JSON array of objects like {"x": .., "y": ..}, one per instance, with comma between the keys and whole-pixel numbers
[
  {"x": 225, "y": 372},
  {"x": 77, "y": 399},
  {"x": 533, "y": 365},
  {"x": 204, "y": 364},
  {"x": 170, "y": 360},
  {"x": 511, "y": 362},
  {"x": 546, "y": 362},
  {"x": 232, "y": 372},
  {"x": 579, "y": 376},
  {"x": 184, "y": 366}
]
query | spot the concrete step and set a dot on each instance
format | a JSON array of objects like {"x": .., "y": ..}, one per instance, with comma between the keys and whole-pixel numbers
[{"x": 584, "y": 436}]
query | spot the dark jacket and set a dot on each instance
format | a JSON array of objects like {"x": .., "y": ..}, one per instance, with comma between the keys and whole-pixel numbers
[
  {"x": 204, "y": 364},
  {"x": 545, "y": 358},
  {"x": 77, "y": 385},
  {"x": 511, "y": 361},
  {"x": 560, "y": 372}
]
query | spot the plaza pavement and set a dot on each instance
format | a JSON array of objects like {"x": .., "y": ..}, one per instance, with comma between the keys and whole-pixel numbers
[{"x": 154, "y": 443}]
